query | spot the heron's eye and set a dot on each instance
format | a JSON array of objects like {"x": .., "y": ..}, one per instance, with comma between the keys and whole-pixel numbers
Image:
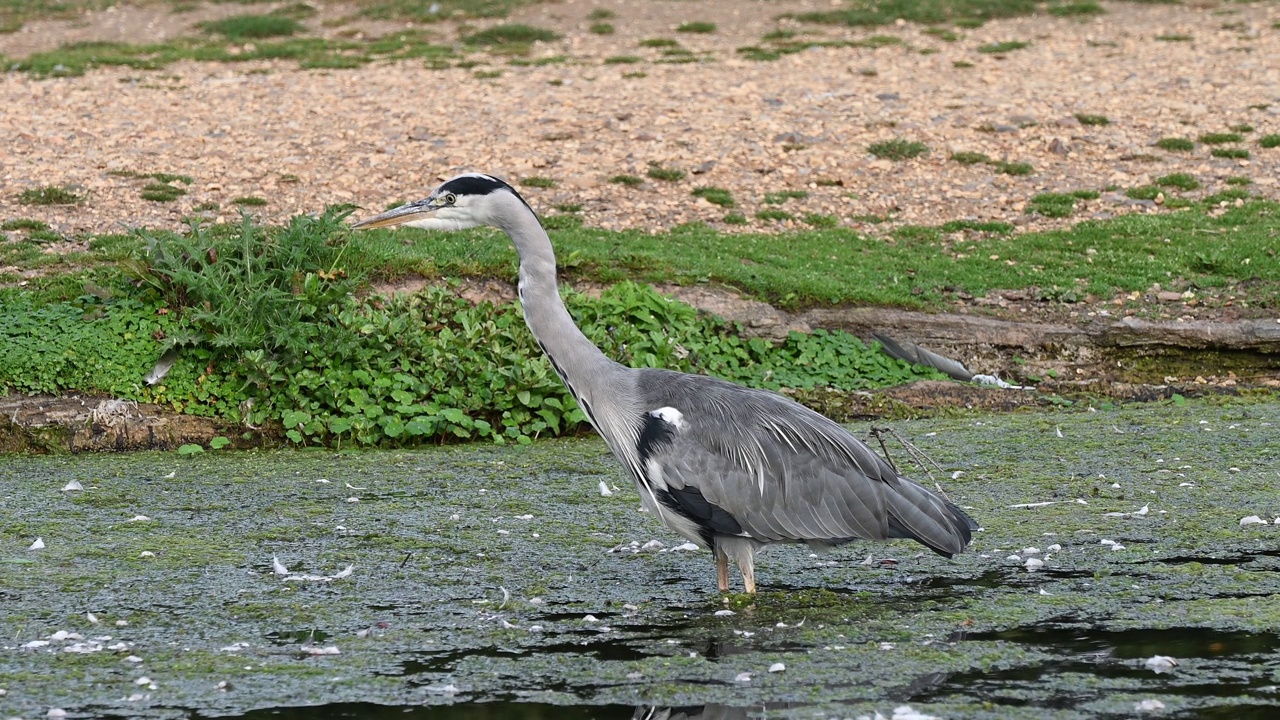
[{"x": 450, "y": 199}]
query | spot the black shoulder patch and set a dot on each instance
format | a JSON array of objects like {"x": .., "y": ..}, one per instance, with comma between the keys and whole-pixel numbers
[
  {"x": 474, "y": 185},
  {"x": 655, "y": 433}
]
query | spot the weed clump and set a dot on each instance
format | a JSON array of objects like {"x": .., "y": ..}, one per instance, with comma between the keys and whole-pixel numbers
[
  {"x": 510, "y": 34},
  {"x": 1181, "y": 181},
  {"x": 628, "y": 180},
  {"x": 1092, "y": 120},
  {"x": 49, "y": 195},
  {"x": 538, "y": 182},
  {"x": 658, "y": 172},
  {"x": 1052, "y": 205},
  {"x": 254, "y": 27},
  {"x": 1172, "y": 144},
  {"x": 999, "y": 48},
  {"x": 1220, "y": 138},
  {"x": 697, "y": 27},
  {"x": 715, "y": 196},
  {"x": 897, "y": 149}
]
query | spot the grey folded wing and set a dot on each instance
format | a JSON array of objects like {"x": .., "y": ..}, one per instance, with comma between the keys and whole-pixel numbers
[{"x": 753, "y": 463}]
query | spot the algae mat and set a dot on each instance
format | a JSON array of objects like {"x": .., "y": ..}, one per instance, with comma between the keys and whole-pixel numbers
[{"x": 482, "y": 584}]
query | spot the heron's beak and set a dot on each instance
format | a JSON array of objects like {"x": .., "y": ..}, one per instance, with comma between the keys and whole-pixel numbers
[{"x": 406, "y": 213}]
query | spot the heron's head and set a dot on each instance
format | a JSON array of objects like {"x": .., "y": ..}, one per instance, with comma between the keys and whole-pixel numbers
[{"x": 465, "y": 201}]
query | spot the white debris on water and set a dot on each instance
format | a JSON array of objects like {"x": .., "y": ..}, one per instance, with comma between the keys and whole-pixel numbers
[
  {"x": 1150, "y": 705},
  {"x": 38, "y": 544},
  {"x": 1161, "y": 663},
  {"x": 604, "y": 489},
  {"x": 72, "y": 486},
  {"x": 1252, "y": 520},
  {"x": 279, "y": 569},
  {"x": 777, "y": 668}
]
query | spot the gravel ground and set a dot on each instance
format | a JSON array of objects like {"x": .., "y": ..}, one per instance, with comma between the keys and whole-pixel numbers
[{"x": 302, "y": 139}]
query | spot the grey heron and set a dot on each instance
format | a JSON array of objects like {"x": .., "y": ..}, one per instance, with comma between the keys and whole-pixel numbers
[{"x": 728, "y": 467}]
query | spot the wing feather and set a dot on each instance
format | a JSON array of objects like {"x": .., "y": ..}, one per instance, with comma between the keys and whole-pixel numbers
[{"x": 784, "y": 472}]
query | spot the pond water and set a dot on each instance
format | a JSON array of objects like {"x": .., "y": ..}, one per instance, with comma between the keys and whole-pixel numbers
[{"x": 491, "y": 582}]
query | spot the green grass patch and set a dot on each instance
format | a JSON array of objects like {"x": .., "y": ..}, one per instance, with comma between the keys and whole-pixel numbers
[
  {"x": 735, "y": 219},
  {"x": 24, "y": 224},
  {"x": 897, "y": 149},
  {"x": 1181, "y": 181},
  {"x": 1076, "y": 9},
  {"x": 1085, "y": 194},
  {"x": 1145, "y": 192},
  {"x": 623, "y": 60},
  {"x": 1014, "y": 168},
  {"x": 961, "y": 64},
  {"x": 1230, "y": 153},
  {"x": 1241, "y": 128},
  {"x": 820, "y": 220},
  {"x": 601, "y": 29},
  {"x": 510, "y": 34},
  {"x": 965, "y": 157},
  {"x": 658, "y": 172},
  {"x": 1053, "y": 205},
  {"x": 628, "y": 180},
  {"x": 1173, "y": 144},
  {"x": 538, "y": 182},
  {"x": 249, "y": 201},
  {"x": 774, "y": 214},
  {"x": 998, "y": 48},
  {"x": 715, "y": 196},
  {"x": 697, "y": 27},
  {"x": 1269, "y": 141},
  {"x": 987, "y": 226},
  {"x": 161, "y": 192},
  {"x": 239, "y": 28},
  {"x": 602, "y": 14},
  {"x": 782, "y": 196},
  {"x": 49, "y": 195},
  {"x": 942, "y": 34},
  {"x": 659, "y": 43},
  {"x": 1093, "y": 120},
  {"x": 1174, "y": 37},
  {"x": 963, "y": 13},
  {"x": 1220, "y": 138}
]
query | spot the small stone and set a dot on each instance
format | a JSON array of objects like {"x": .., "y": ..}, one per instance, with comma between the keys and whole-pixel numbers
[{"x": 777, "y": 667}]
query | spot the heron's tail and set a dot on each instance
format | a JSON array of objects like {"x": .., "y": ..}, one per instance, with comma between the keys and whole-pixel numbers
[{"x": 919, "y": 514}]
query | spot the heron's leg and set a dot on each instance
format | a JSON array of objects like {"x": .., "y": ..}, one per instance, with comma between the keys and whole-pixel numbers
[
  {"x": 722, "y": 569},
  {"x": 742, "y": 551},
  {"x": 746, "y": 564}
]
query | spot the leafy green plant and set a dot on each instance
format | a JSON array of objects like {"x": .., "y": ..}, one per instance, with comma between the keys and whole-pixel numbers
[
  {"x": 735, "y": 219},
  {"x": 628, "y": 180},
  {"x": 1230, "y": 153},
  {"x": 1094, "y": 120},
  {"x": 538, "y": 182},
  {"x": 1016, "y": 168},
  {"x": 1269, "y": 141},
  {"x": 1145, "y": 192},
  {"x": 897, "y": 149}
]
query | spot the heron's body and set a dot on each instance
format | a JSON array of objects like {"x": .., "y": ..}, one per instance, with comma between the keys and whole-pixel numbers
[{"x": 730, "y": 468}]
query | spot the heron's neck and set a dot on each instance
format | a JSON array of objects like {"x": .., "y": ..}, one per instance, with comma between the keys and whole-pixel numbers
[{"x": 578, "y": 362}]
